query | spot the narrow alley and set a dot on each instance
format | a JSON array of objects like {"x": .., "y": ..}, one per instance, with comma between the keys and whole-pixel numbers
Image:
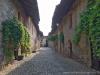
[
  {"x": 49, "y": 37},
  {"x": 47, "y": 62}
]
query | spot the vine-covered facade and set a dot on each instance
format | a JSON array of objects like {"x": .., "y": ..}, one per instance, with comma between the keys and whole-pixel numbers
[
  {"x": 77, "y": 26},
  {"x": 18, "y": 28}
]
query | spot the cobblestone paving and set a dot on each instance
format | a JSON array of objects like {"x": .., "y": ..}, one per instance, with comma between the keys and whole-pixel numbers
[{"x": 47, "y": 62}]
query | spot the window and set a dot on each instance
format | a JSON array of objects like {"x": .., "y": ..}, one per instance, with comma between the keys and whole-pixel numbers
[
  {"x": 19, "y": 16},
  {"x": 70, "y": 24}
]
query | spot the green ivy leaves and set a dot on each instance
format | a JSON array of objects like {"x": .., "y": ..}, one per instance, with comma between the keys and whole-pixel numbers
[
  {"x": 57, "y": 37},
  {"x": 90, "y": 25},
  {"x": 15, "y": 35}
]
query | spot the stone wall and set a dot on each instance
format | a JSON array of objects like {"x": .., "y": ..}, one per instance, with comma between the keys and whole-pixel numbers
[
  {"x": 81, "y": 52},
  {"x": 60, "y": 44},
  {"x": 33, "y": 34},
  {"x": 51, "y": 44},
  {"x": 68, "y": 24},
  {"x": 30, "y": 25},
  {"x": 7, "y": 10}
]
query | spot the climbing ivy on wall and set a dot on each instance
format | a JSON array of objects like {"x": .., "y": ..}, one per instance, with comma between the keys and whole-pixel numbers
[
  {"x": 53, "y": 38},
  {"x": 15, "y": 35},
  {"x": 90, "y": 25},
  {"x": 61, "y": 37},
  {"x": 25, "y": 39},
  {"x": 57, "y": 37}
]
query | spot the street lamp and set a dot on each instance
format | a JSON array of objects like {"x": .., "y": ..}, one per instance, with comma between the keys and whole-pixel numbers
[{"x": 57, "y": 24}]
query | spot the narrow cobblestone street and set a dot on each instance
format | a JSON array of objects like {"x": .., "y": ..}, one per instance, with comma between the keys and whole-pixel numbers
[
  {"x": 30, "y": 30},
  {"x": 47, "y": 62}
]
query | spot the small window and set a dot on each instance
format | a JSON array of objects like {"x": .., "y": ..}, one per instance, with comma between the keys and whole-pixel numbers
[
  {"x": 70, "y": 25},
  {"x": 19, "y": 16}
]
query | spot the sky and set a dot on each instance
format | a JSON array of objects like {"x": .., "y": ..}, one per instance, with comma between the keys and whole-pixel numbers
[{"x": 46, "y": 11}]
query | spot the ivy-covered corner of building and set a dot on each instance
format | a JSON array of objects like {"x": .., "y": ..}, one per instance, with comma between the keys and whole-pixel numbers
[{"x": 90, "y": 25}]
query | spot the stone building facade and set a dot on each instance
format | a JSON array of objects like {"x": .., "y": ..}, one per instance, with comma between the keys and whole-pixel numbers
[
  {"x": 67, "y": 24},
  {"x": 7, "y": 10},
  {"x": 10, "y": 9},
  {"x": 71, "y": 20}
]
